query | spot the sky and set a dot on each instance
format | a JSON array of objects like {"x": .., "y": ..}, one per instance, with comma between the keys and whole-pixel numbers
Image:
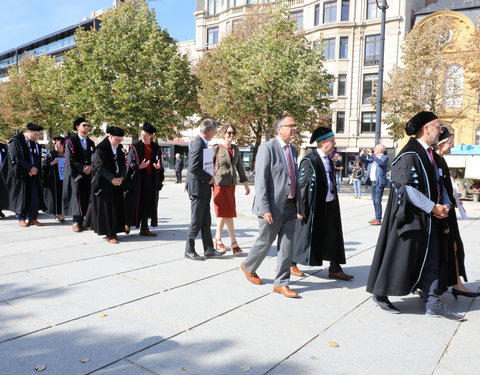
[{"x": 22, "y": 21}]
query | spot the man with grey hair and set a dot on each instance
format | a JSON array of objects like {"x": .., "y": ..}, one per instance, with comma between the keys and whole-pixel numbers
[
  {"x": 275, "y": 204},
  {"x": 199, "y": 187},
  {"x": 377, "y": 174}
]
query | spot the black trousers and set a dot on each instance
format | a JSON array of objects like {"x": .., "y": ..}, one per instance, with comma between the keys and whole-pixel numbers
[
  {"x": 178, "y": 174},
  {"x": 201, "y": 221},
  {"x": 32, "y": 200}
]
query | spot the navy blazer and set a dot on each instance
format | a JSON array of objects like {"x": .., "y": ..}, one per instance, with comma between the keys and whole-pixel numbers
[{"x": 381, "y": 173}]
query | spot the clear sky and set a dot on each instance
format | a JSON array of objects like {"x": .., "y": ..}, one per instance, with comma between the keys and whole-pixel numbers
[{"x": 22, "y": 21}]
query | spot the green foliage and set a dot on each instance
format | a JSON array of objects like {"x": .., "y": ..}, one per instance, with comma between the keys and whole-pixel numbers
[
  {"x": 33, "y": 93},
  {"x": 261, "y": 72},
  {"x": 129, "y": 72}
]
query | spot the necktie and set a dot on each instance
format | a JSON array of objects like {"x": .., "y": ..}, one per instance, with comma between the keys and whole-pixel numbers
[
  {"x": 31, "y": 148},
  {"x": 291, "y": 172},
  {"x": 331, "y": 176},
  {"x": 84, "y": 143},
  {"x": 432, "y": 160}
]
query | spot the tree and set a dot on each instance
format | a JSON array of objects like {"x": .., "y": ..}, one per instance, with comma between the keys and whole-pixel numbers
[
  {"x": 426, "y": 79},
  {"x": 261, "y": 70},
  {"x": 129, "y": 72},
  {"x": 33, "y": 93}
]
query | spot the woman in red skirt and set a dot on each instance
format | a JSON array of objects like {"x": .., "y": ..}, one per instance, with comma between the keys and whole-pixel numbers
[{"x": 227, "y": 164}]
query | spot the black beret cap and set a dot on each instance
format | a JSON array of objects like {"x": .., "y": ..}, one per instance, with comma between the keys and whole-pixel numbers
[
  {"x": 59, "y": 138},
  {"x": 149, "y": 128},
  {"x": 418, "y": 121},
  {"x": 34, "y": 127},
  {"x": 77, "y": 122},
  {"x": 116, "y": 131},
  {"x": 322, "y": 132},
  {"x": 445, "y": 134}
]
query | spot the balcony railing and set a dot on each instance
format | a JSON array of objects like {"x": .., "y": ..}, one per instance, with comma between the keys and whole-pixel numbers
[{"x": 372, "y": 60}]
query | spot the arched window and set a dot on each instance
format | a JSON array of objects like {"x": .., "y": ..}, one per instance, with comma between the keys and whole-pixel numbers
[{"x": 453, "y": 92}]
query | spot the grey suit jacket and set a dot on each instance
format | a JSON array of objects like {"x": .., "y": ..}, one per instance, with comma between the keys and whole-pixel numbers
[
  {"x": 272, "y": 182},
  {"x": 197, "y": 178}
]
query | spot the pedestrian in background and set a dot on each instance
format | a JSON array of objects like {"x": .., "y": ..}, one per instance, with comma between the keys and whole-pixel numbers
[
  {"x": 357, "y": 175},
  {"x": 227, "y": 163},
  {"x": 338, "y": 165},
  {"x": 53, "y": 172},
  {"x": 178, "y": 168}
]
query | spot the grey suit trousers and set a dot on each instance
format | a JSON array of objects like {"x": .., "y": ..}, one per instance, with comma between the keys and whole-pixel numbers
[
  {"x": 201, "y": 221},
  {"x": 284, "y": 228}
]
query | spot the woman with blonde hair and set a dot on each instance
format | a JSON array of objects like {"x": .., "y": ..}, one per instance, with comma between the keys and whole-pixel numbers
[{"x": 227, "y": 163}]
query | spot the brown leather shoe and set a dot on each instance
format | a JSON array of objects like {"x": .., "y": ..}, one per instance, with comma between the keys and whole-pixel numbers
[
  {"x": 127, "y": 229},
  {"x": 76, "y": 227},
  {"x": 22, "y": 223},
  {"x": 372, "y": 220},
  {"x": 36, "y": 223},
  {"x": 253, "y": 278},
  {"x": 286, "y": 291},
  {"x": 296, "y": 272},
  {"x": 340, "y": 276},
  {"x": 112, "y": 239},
  {"x": 148, "y": 233},
  {"x": 82, "y": 228},
  {"x": 376, "y": 222}
]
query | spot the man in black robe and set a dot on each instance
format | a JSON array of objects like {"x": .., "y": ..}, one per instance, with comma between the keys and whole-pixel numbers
[
  {"x": 145, "y": 176},
  {"x": 77, "y": 174},
  {"x": 3, "y": 188},
  {"x": 411, "y": 251},
  {"x": 319, "y": 235},
  {"x": 21, "y": 172},
  {"x": 105, "y": 214}
]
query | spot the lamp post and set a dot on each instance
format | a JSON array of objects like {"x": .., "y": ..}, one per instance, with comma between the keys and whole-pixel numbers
[{"x": 378, "y": 120}]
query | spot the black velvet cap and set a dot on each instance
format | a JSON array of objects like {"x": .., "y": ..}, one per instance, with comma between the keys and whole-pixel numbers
[
  {"x": 445, "y": 135},
  {"x": 77, "y": 122},
  {"x": 321, "y": 133},
  {"x": 59, "y": 138},
  {"x": 116, "y": 131},
  {"x": 34, "y": 127},
  {"x": 418, "y": 121},
  {"x": 149, "y": 128}
]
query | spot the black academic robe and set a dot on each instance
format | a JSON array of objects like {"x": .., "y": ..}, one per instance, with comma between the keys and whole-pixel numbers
[
  {"x": 404, "y": 239},
  {"x": 76, "y": 184},
  {"x": 453, "y": 235},
  {"x": 15, "y": 173},
  {"x": 140, "y": 200},
  {"x": 105, "y": 214},
  {"x": 319, "y": 235},
  {"x": 52, "y": 184},
  {"x": 3, "y": 187}
]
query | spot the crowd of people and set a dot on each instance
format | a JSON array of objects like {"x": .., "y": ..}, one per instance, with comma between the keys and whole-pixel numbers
[{"x": 419, "y": 249}]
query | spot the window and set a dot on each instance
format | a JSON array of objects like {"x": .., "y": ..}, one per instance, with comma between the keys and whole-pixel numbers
[
  {"x": 340, "y": 122},
  {"x": 212, "y": 6},
  {"x": 477, "y": 136},
  {"x": 372, "y": 50},
  {"x": 342, "y": 83},
  {"x": 235, "y": 24},
  {"x": 343, "y": 47},
  {"x": 330, "y": 88},
  {"x": 368, "y": 122},
  {"x": 236, "y": 3},
  {"x": 317, "y": 15},
  {"x": 329, "y": 50},
  {"x": 453, "y": 92},
  {"x": 212, "y": 35},
  {"x": 249, "y": 2},
  {"x": 297, "y": 16},
  {"x": 330, "y": 11},
  {"x": 372, "y": 10},
  {"x": 369, "y": 82},
  {"x": 345, "y": 10}
]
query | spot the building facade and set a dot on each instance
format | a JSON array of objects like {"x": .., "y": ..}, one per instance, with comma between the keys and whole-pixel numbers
[{"x": 350, "y": 30}]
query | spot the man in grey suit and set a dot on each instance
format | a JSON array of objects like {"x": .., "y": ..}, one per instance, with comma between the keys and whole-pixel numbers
[
  {"x": 275, "y": 204},
  {"x": 199, "y": 188}
]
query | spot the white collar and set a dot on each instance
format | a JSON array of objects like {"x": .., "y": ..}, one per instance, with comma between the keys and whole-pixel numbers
[
  {"x": 321, "y": 153},
  {"x": 281, "y": 141},
  {"x": 424, "y": 145}
]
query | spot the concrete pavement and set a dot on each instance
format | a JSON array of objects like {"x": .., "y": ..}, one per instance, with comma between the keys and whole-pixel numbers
[{"x": 73, "y": 304}]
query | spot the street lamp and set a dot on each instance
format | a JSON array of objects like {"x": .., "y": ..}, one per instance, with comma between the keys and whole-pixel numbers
[{"x": 378, "y": 121}]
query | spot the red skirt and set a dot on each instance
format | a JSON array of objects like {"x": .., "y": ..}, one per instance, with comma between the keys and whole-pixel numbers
[{"x": 224, "y": 201}]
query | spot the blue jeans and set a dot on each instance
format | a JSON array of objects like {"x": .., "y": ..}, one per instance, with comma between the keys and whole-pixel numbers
[
  {"x": 337, "y": 177},
  {"x": 357, "y": 186},
  {"x": 377, "y": 194}
]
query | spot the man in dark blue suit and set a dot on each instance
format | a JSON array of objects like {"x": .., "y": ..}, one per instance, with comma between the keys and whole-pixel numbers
[
  {"x": 377, "y": 174},
  {"x": 199, "y": 187}
]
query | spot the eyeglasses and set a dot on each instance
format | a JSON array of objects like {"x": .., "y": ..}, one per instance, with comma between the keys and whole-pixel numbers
[
  {"x": 291, "y": 126},
  {"x": 85, "y": 124},
  {"x": 231, "y": 133},
  {"x": 118, "y": 140}
]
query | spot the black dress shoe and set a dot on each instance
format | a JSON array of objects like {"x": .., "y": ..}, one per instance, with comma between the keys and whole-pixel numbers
[
  {"x": 213, "y": 253},
  {"x": 193, "y": 256},
  {"x": 457, "y": 292},
  {"x": 384, "y": 303}
]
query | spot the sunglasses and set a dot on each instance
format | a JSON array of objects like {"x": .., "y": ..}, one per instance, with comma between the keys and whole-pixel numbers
[
  {"x": 231, "y": 133},
  {"x": 86, "y": 125}
]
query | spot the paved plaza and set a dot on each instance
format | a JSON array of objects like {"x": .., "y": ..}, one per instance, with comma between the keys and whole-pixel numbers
[{"x": 70, "y": 303}]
